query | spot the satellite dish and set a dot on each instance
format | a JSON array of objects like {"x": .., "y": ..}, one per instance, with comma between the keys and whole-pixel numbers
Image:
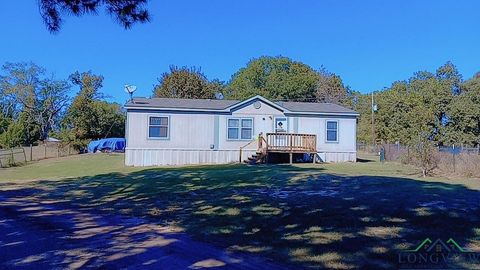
[
  {"x": 130, "y": 89},
  {"x": 219, "y": 95}
]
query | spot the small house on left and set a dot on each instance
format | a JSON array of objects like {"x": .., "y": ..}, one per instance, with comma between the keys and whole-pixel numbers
[{"x": 170, "y": 131}]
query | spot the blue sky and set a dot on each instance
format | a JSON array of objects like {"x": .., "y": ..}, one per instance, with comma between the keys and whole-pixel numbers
[{"x": 370, "y": 44}]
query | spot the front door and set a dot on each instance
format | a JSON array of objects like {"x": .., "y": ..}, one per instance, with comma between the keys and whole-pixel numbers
[{"x": 281, "y": 125}]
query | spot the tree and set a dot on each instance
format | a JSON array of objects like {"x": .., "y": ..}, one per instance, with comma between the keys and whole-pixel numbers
[
  {"x": 418, "y": 105},
  {"x": 330, "y": 88},
  {"x": 448, "y": 74},
  {"x": 7, "y": 110},
  {"x": 80, "y": 118},
  {"x": 216, "y": 86},
  {"x": 40, "y": 100},
  {"x": 277, "y": 78},
  {"x": 437, "y": 91},
  {"x": 89, "y": 117},
  {"x": 471, "y": 85},
  {"x": 401, "y": 115},
  {"x": 125, "y": 12},
  {"x": 186, "y": 82},
  {"x": 463, "y": 125},
  {"x": 110, "y": 119},
  {"x": 19, "y": 132},
  {"x": 51, "y": 100}
]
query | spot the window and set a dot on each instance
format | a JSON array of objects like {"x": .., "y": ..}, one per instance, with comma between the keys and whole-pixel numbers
[
  {"x": 158, "y": 127},
  {"x": 332, "y": 131},
  {"x": 233, "y": 126},
  {"x": 239, "y": 128}
]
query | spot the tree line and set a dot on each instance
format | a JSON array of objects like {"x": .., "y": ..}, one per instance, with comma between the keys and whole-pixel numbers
[
  {"x": 35, "y": 106},
  {"x": 276, "y": 78},
  {"x": 437, "y": 107}
]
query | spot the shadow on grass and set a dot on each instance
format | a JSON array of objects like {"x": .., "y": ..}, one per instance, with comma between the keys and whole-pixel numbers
[
  {"x": 364, "y": 160},
  {"x": 299, "y": 217}
]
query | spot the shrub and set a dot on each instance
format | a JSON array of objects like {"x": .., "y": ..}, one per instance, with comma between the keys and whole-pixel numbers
[{"x": 425, "y": 156}]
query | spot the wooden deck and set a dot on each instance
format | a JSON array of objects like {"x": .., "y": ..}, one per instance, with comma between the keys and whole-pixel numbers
[
  {"x": 288, "y": 143},
  {"x": 291, "y": 143}
]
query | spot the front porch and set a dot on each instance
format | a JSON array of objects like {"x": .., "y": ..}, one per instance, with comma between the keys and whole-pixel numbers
[{"x": 283, "y": 143}]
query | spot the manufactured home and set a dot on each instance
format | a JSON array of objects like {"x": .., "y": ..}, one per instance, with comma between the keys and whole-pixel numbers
[{"x": 170, "y": 131}]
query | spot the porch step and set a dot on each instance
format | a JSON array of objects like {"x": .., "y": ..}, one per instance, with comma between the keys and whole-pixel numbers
[{"x": 255, "y": 159}]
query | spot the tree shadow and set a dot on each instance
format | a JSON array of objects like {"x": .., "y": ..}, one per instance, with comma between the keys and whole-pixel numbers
[{"x": 299, "y": 217}]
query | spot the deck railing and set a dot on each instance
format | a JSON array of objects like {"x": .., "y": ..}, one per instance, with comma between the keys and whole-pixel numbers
[{"x": 291, "y": 143}]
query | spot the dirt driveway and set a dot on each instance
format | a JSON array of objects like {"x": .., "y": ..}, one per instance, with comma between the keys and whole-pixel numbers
[{"x": 50, "y": 234}]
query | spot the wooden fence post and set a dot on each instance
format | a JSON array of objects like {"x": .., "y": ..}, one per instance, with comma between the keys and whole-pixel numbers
[
  {"x": 24, "y": 155},
  {"x": 13, "y": 157},
  {"x": 58, "y": 151},
  {"x": 453, "y": 156},
  {"x": 31, "y": 152},
  {"x": 45, "y": 148}
]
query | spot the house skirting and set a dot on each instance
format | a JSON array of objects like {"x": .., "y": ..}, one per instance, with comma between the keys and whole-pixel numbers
[
  {"x": 337, "y": 156},
  {"x": 163, "y": 157}
]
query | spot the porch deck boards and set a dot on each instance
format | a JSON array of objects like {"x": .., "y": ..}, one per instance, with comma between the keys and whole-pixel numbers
[{"x": 290, "y": 143}]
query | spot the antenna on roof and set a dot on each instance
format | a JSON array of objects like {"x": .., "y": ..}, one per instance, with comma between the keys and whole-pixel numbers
[
  {"x": 130, "y": 89},
  {"x": 219, "y": 95}
]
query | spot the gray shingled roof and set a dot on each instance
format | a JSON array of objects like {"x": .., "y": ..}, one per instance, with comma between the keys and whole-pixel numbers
[
  {"x": 211, "y": 104},
  {"x": 311, "y": 107},
  {"x": 215, "y": 104}
]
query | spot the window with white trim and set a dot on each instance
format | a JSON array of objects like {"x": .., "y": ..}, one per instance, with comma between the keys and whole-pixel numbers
[
  {"x": 158, "y": 127},
  {"x": 239, "y": 128},
  {"x": 332, "y": 131}
]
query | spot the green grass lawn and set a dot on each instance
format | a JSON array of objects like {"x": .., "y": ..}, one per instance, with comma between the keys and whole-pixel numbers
[
  {"x": 338, "y": 216},
  {"x": 65, "y": 167}
]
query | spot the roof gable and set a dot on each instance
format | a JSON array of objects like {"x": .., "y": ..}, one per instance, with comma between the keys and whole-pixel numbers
[{"x": 254, "y": 99}]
